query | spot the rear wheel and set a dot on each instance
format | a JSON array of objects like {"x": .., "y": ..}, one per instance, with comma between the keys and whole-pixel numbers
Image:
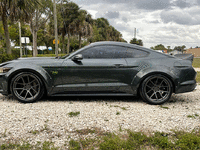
[
  {"x": 27, "y": 87},
  {"x": 156, "y": 89}
]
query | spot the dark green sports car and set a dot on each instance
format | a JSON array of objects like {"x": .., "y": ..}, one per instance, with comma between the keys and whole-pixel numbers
[{"x": 102, "y": 68}]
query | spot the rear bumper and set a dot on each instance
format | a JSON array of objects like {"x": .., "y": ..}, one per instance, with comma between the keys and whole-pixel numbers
[
  {"x": 187, "y": 86},
  {"x": 3, "y": 85}
]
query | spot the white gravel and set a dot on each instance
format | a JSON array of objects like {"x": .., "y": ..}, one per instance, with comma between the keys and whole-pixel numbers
[
  {"x": 50, "y": 117},
  {"x": 197, "y": 69}
]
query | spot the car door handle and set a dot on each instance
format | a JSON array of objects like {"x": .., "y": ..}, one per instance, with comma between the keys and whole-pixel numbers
[{"x": 118, "y": 65}]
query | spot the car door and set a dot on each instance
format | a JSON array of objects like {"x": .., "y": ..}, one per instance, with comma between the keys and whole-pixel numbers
[{"x": 99, "y": 70}]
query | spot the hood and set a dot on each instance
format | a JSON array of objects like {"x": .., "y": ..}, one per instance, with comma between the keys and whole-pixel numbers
[{"x": 35, "y": 60}]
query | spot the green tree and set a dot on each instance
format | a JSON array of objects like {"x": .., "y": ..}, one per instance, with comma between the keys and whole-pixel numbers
[
  {"x": 180, "y": 48},
  {"x": 13, "y": 9},
  {"x": 137, "y": 42},
  {"x": 69, "y": 12},
  {"x": 159, "y": 47},
  {"x": 38, "y": 20},
  {"x": 83, "y": 27}
]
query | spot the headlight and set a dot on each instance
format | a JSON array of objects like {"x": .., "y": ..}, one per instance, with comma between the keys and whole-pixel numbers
[{"x": 4, "y": 69}]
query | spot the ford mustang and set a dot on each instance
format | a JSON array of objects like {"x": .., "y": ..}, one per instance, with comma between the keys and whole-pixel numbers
[{"x": 101, "y": 68}]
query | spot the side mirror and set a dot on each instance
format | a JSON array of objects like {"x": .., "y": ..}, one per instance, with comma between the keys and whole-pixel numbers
[{"x": 77, "y": 57}]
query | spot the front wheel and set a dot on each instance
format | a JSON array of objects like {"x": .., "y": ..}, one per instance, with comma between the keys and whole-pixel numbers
[
  {"x": 27, "y": 87},
  {"x": 156, "y": 89}
]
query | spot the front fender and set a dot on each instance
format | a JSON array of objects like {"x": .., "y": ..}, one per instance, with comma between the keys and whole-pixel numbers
[{"x": 38, "y": 70}]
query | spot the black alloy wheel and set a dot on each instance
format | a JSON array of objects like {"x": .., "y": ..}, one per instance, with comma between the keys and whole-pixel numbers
[
  {"x": 156, "y": 89},
  {"x": 27, "y": 87}
]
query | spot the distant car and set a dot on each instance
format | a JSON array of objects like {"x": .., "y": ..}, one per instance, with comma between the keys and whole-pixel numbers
[{"x": 102, "y": 68}]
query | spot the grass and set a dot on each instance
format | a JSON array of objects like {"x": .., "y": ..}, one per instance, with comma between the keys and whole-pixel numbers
[
  {"x": 35, "y": 132},
  {"x": 73, "y": 114},
  {"x": 117, "y": 113},
  {"x": 123, "y": 108},
  {"x": 164, "y": 107},
  {"x": 85, "y": 131},
  {"x": 138, "y": 140},
  {"x": 196, "y": 63},
  {"x": 26, "y": 146},
  {"x": 193, "y": 116},
  {"x": 198, "y": 77},
  {"x": 177, "y": 140}
]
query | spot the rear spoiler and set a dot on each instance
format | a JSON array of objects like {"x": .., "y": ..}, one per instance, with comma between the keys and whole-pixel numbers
[{"x": 185, "y": 56}]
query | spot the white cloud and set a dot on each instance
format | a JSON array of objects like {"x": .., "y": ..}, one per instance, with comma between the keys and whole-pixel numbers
[{"x": 168, "y": 22}]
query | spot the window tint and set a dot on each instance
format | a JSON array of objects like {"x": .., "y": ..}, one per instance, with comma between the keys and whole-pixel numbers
[
  {"x": 98, "y": 52},
  {"x": 134, "y": 53},
  {"x": 110, "y": 51}
]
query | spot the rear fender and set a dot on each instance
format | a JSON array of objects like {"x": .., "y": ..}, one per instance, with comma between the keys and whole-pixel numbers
[{"x": 143, "y": 74}]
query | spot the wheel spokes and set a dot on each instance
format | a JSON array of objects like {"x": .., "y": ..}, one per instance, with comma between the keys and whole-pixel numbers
[
  {"x": 26, "y": 87},
  {"x": 157, "y": 88}
]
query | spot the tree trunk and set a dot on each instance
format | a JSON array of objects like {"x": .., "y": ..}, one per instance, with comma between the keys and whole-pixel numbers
[
  {"x": 68, "y": 43},
  {"x": 79, "y": 40},
  {"x": 63, "y": 42},
  {"x": 35, "y": 52},
  {"x": 6, "y": 32}
]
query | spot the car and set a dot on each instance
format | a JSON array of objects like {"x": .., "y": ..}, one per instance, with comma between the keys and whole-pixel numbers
[{"x": 101, "y": 68}]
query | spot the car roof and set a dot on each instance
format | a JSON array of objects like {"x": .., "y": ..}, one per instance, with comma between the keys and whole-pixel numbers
[
  {"x": 120, "y": 44},
  {"x": 126, "y": 44}
]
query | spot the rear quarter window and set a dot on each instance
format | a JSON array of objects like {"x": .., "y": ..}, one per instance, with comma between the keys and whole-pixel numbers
[{"x": 135, "y": 53}]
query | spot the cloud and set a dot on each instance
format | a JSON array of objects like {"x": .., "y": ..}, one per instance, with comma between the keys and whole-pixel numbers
[
  {"x": 179, "y": 16},
  {"x": 112, "y": 15},
  {"x": 182, "y": 3},
  {"x": 171, "y": 22},
  {"x": 153, "y": 21},
  {"x": 152, "y": 4},
  {"x": 124, "y": 19}
]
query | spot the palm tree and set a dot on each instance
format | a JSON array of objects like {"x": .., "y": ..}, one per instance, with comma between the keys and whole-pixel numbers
[
  {"x": 83, "y": 25},
  {"x": 13, "y": 9},
  {"x": 69, "y": 13}
]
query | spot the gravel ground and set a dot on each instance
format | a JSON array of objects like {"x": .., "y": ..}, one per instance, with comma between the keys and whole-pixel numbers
[
  {"x": 197, "y": 69},
  {"x": 48, "y": 120}
]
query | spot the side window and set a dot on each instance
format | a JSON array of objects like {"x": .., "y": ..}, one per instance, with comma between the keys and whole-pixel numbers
[
  {"x": 98, "y": 52},
  {"x": 111, "y": 51},
  {"x": 118, "y": 51},
  {"x": 88, "y": 53},
  {"x": 134, "y": 53}
]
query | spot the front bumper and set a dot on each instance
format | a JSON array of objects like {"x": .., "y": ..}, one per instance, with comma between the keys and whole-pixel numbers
[{"x": 3, "y": 85}]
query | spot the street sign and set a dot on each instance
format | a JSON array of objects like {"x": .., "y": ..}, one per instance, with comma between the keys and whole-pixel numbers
[
  {"x": 54, "y": 41},
  {"x": 25, "y": 40}
]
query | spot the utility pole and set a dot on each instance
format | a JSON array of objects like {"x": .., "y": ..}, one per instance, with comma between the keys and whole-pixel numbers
[
  {"x": 20, "y": 42},
  {"x": 56, "y": 28},
  {"x": 135, "y": 33}
]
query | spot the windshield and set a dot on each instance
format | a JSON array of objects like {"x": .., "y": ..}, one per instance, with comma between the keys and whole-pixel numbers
[{"x": 63, "y": 57}]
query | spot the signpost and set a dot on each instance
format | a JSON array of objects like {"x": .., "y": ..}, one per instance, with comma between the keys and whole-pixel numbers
[{"x": 25, "y": 40}]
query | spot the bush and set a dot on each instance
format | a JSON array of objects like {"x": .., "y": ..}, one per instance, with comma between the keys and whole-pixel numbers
[{"x": 7, "y": 57}]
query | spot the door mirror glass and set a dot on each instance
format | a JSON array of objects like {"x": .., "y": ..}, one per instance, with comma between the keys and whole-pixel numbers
[{"x": 77, "y": 57}]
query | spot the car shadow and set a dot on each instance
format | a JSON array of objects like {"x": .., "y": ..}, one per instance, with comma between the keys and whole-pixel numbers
[{"x": 93, "y": 98}]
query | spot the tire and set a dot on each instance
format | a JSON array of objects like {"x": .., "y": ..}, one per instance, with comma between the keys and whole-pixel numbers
[
  {"x": 156, "y": 89},
  {"x": 27, "y": 87}
]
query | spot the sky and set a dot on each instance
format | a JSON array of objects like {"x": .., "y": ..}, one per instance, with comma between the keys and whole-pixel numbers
[{"x": 168, "y": 22}]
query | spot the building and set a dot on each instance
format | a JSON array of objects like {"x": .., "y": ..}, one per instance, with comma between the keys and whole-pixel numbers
[
  {"x": 194, "y": 51},
  {"x": 174, "y": 52},
  {"x": 162, "y": 51}
]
